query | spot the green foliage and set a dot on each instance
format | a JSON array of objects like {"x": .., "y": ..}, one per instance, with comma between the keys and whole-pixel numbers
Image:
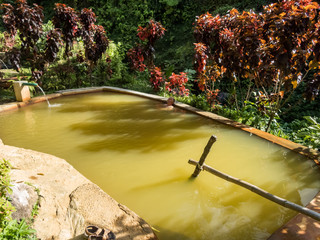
[
  {"x": 315, "y": 126},
  {"x": 72, "y": 73},
  {"x": 2, "y": 41},
  {"x": 6, "y": 95},
  {"x": 5, "y": 211},
  {"x": 117, "y": 54},
  {"x": 298, "y": 106},
  {"x": 138, "y": 82},
  {"x": 199, "y": 101},
  {"x": 121, "y": 18},
  {"x": 305, "y": 132},
  {"x": 10, "y": 229},
  {"x": 66, "y": 74},
  {"x": 251, "y": 116},
  {"x": 17, "y": 230},
  {"x": 102, "y": 72},
  {"x": 41, "y": 43},
  {"x": 4, "y": 177},
  {"x": 6, "y": 42},
  {"x": 175, "y": 49},
  {"x": 5, "y": 206},
  {"x": 170, "y": 3}
]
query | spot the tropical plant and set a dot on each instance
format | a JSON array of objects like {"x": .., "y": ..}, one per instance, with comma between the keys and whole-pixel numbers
[
  {"x": 305, "y": 132},
  {"x": 136, "y": 57},
  {"x": 150, "y": 34},
  {"x": 53, "y": 45},
  {"x": 143, "y": 54},
  {"x": 177, "y": 84},
  {"x": 94, "y": 36},
  {"x": 27, "y": 21},
  {"x": 276, "y": 50},
  {"x": 157, "y": 78},
  {"x": 66, "y": 19}
]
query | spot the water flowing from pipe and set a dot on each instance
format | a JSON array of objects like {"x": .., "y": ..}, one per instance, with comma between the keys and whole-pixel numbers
[
  {"x": 4, "y": 64},
  {"x": 44, "y": 94}
]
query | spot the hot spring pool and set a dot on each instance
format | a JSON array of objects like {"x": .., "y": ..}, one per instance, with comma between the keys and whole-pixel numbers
[{"x": 138, "y": 152}]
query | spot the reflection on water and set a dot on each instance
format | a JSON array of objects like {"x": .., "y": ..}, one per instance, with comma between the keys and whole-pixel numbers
[{"x": 138, "y": 154}]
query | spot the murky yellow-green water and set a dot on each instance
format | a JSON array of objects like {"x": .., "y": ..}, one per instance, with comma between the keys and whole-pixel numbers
[{"x": 138, "y": 152}]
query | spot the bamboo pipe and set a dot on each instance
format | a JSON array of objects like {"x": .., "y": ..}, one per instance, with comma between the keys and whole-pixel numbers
[{"x": 259, "y": 191}]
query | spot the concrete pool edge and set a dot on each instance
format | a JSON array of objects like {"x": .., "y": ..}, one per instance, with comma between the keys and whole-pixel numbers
[
  {"x": 292, "y": 227},
  {"x": 310, "y": 153}
]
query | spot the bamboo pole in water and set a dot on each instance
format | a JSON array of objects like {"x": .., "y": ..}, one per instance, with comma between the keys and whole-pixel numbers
[
  {"x": 206, "y": 151},
  {"x": 259, "y": 191}
]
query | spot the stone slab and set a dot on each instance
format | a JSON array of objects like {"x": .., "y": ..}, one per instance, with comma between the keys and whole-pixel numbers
[{"x": 69, "y": 201}]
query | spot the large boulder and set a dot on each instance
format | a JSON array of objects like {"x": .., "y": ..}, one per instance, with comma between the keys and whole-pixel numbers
[
  {"x": 69, "y": 201},
  {"x": 101, "y": 210}
]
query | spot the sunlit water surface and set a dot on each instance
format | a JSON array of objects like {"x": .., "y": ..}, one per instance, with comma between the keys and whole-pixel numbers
[{"x": 137, "y": 152}]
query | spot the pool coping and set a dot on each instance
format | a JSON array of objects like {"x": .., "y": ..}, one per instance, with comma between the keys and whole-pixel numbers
[{"x": 290, "y": 229}]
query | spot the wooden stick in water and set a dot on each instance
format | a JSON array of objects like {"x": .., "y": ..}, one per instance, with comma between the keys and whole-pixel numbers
[
  {"x": 259, "y": 191},
  {"x": 205, "y": 153}
]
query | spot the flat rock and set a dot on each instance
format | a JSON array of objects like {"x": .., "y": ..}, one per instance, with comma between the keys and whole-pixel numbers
[
  {"x": 101, "y": 210},
  {"x": 69, "y": 201}
]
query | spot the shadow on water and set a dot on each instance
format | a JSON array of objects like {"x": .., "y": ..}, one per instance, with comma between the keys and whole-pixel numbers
[
  {"x": 167, "y": 234},
  {"x": 161, "y": 183},
  {"x": 134, "y": 235},
  {"x": 135, "y": 126},
  {"x": 300, "y": 168}
]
